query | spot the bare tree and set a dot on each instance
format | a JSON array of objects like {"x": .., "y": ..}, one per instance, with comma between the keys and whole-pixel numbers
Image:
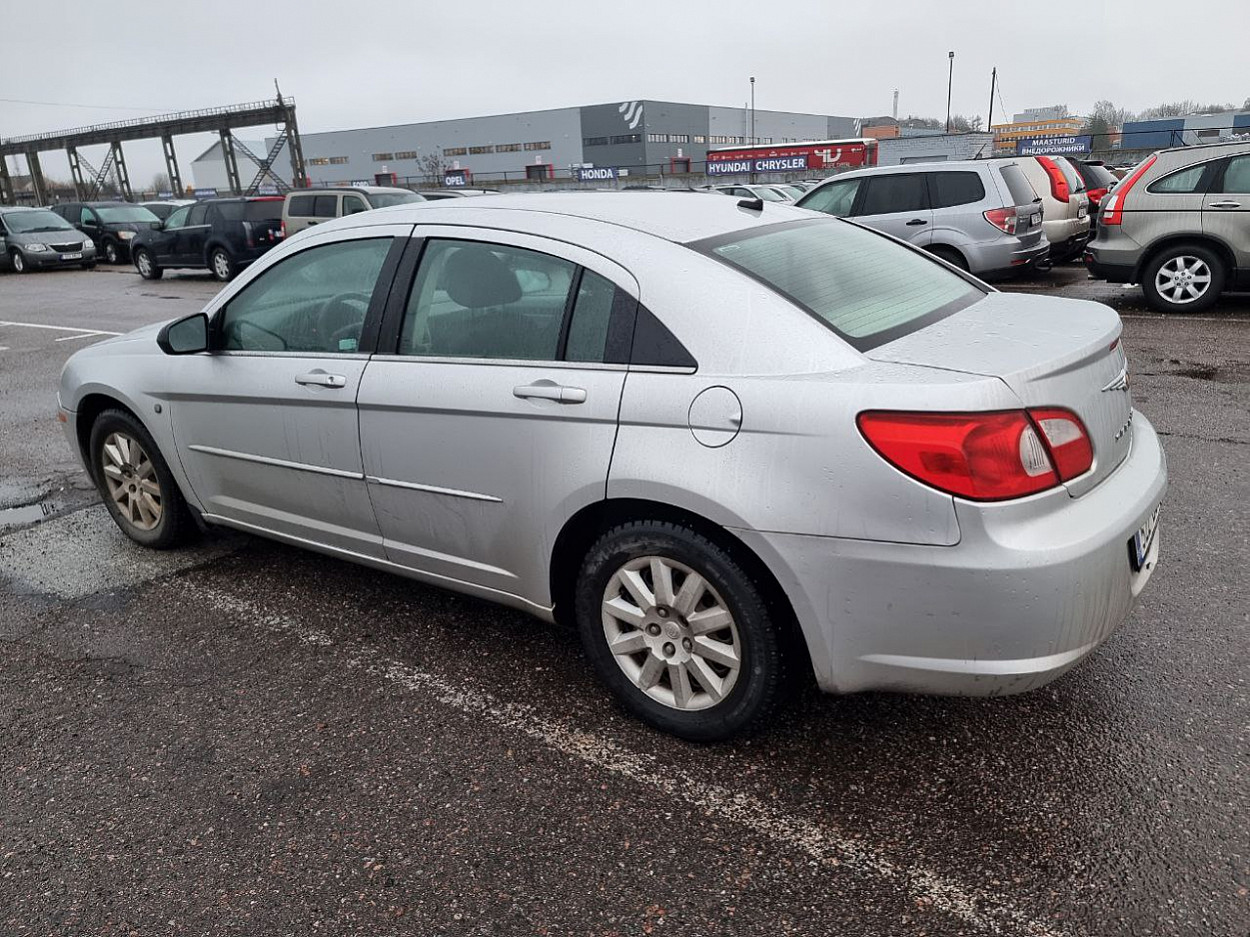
[
  {"x": 433, "y": 167},
  {"x": 160, "y": 182}
]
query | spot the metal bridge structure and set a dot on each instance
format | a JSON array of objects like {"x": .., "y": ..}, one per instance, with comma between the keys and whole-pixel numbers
[{"x": 90, "y": 181}]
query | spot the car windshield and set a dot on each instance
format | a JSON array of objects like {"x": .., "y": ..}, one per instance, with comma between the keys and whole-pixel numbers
[
  {"x": 112, "y": 214},
  {"x": 31, "y": 222},
  {"x": 386, "y": 199},
  {"x": 861, "y": 284},
  {"x": 266, "y": 209},
  {"x": 767, "y": 194}
]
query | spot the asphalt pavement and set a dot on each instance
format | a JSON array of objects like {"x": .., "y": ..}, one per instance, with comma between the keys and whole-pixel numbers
[{"x": 244, "y": 738}]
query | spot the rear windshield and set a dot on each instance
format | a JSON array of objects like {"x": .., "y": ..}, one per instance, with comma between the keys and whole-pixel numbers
[
  {"x": 1017, "y": 184},
  {"x": 867, "y": 288},
  {"x": 264, "y": 210},
  {"x": 112, "y": 214},
  {"x": 32, "y": 222},
  {"x": 386, "y": 199},
  {"x": 1096, "y": 177}
]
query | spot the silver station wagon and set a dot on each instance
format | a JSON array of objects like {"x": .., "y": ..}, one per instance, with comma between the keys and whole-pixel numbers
[{"x": 730, "y": 442}]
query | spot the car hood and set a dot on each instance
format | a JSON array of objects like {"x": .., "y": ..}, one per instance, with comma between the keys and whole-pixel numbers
[
  {"x": 62, "y": 236},
  {"x": 146, "y": 334}
]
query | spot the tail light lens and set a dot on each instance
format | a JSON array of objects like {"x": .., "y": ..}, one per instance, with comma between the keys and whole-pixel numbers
[
  {"x": 1095, "y": 195},
  {"x": 1113, "y": 208},
  {"x": 284, "y": 227},
  {"x": 982, "y": 456},
  {"x": 1004, "y": 219},
  {"x": 1058, "y": 181}
]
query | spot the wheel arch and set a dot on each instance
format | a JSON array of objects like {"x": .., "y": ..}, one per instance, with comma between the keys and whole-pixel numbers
[
  {"x": 90, "y": 406},
  {"x": 585, "y": 526},
  {"x": 1225, "y": 253}
]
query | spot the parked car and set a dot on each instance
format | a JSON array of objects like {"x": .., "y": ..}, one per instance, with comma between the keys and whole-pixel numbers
[
  {"x": 165, "y": 207},
  {"x": 31, "y": 238},
  {"x": 777, "y": 458},
  {"x": 434, "y": 195},
  {"x": 110, "y": 225},
  {"x": 304, "y": 208},
  {"x": 223, "y": 235},
  {"x": 768, "y": 193},
  {"x": 1178, "y": 224},
  {"x": 980, "y": 215},
  {"x": 1065, "y": 206}
]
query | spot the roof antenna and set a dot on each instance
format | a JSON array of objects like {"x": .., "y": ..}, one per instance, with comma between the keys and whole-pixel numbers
[{"x": 752, "y": 204}]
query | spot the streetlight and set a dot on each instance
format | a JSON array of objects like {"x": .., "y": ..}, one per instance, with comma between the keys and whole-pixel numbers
[
  {"x": 752, "y": 110},
  {"x": 949, "y": 78}
]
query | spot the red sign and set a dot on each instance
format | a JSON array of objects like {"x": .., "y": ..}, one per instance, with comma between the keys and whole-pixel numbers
[{"x": 820, "y": 154}]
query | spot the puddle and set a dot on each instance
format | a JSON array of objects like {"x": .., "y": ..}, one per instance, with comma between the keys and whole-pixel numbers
[{"x": 25, "y": 514}]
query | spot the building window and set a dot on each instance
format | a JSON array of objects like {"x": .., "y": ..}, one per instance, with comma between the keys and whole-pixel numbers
[
  {"x": 319, "y": 161},
  {"x": 700, "y": 138},
  {"x": 595, "y": 141},
  {"x": 454, "y": 151},
  {"x": 405, "y": 154},
  {"x": 477, "y": 150},
  {"x": 657, "y": 138},
  {"x": 338, "y": 160},
  {"x": 508, "y": 148},
  {"x": 679, "y": 138},
  {"x": 382, "y": 157},
  {"x": 539, "y": 145},
  {"x": 627, "y": 138}
]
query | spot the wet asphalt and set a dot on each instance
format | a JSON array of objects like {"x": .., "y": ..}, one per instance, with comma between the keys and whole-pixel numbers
[{"x": 243, "y": 738}]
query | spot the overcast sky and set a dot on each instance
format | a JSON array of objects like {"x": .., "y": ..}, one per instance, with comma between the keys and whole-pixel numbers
[{"x": 353, "y": 64}]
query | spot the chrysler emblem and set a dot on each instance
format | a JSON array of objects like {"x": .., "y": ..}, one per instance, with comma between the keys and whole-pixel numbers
[{"x": 1119, "y": 382}]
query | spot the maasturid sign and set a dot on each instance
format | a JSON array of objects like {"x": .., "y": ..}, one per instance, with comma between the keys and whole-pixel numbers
[{"x": 1053, "y": 146}]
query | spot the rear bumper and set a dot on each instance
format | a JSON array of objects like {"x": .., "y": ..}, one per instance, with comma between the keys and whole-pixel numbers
[
  {"x": 1032, "y": 588},
  {"x": 1013, "y": 260},
  {"x": 1110, "y": 264}
]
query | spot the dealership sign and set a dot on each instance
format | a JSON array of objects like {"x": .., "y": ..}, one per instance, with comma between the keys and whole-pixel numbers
[
  {"x": 205, "y": 193},
  {"x": 596, "y": 174},
  {"x": 725, "y": 167},
  {"x": 1053, "y": 146},
  {"x": 455, "y": 178}
]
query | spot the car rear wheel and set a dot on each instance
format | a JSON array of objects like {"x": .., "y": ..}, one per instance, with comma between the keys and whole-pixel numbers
[
  {"x": 951, "y": 256},
  {"x": 111, "y": 253},
  {"x": 18, "y": 259},
  {"x": 679, "y": 631},
  {"x": 138, "y": 489},
  {"x": 1184, "y": 278},
  {"x": 146, "y": 265},
  {"x": 222, "y": 265}
]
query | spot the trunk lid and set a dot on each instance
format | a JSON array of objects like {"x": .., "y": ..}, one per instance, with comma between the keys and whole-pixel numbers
[{"x": 1050, "y": 352}]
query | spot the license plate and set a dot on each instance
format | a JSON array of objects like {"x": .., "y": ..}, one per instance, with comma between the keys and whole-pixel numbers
[
  {"x": 1082, "y": 211},
  {"x": 77, "y": 256},
  {"x": 1139, "y": 546},
  {"x": 1036, "y": 220}
]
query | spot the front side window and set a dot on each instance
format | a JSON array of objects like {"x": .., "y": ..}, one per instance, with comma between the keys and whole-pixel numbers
[
  {"x": 177, "y": 219},
  {"x": 1237, "y": 175},
  {"x": 956, "y": 188},
  {"x": 313, "y": 302},
  {"x": 865, "y": 287},
  {"x": 894, "y": 193},
  {"x": 477, "y": 300},
  {"x": 87, "y": 216},
  {"x": 835, "y": 198},
  {"x": 353, "y": 205}
]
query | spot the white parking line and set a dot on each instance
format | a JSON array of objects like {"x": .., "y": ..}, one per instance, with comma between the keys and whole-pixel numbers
[
  {"x": 56, "y": 328},
  {"x": 987, "y": 911},
  {"x": 74, "y": 338}
]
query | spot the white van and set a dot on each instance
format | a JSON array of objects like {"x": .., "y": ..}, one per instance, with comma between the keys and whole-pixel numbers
[{"x": 306, "y": 207}]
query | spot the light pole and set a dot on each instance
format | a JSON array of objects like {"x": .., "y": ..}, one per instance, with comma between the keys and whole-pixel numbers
[
  {"x": 752, "y": 110},
  {"x": 949, "y": 79}
]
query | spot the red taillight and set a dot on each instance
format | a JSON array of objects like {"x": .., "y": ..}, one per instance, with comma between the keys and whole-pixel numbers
[
  {"x": 982, "y": 456},
  {"x": 284, "y": 227},
  {"x": 1095, "y": 195},
  {"x": 1113, "y": 207},
  {"x": 1058, "y": 182},
  {"x": 1004, "y": 219}
]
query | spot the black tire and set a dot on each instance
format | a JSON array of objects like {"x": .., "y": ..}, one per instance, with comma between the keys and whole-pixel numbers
[
  {"x": 1208, "y": 262},
  {"x": 145, "y": 263},
  {"x": 112, "y": 253},
  {"x": 757, "y": 690},
  {"x": 18, "y": 261},
  {"x": 175, "y": 525},
  {"x": 951, "y": 256},
  {"x": 222, "y": 264}
]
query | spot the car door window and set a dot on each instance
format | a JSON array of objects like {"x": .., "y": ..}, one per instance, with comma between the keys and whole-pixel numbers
[
  {"x": 324, "y": 206},
  {"x": 353, "y": 204},
  {"x": 592, "y": 314},
  {"x": 836, "y": 198},
  {"x": 301, "y": 206},
  {"x": 312, "y": 302},
  {"x": 86, "y": 217},
  {"x": 177, "y": 219},
  {"x": 894, "y": 193},
  {"x": 956, "y": 188},
  {"x": 197, "y": 215},
  {"x": 1237, "y": 175},
  {"x": 1185, "y": 182},
  {"x": 473, "y": 299}
]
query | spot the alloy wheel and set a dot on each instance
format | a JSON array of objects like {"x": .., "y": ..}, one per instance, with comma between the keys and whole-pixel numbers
[
  {"x": 671, "y": 633},
  {"x": 145, "y": 265},
  {"x": 19, "y": 262},
  {"x": 131, "y": 480},
  {"x": 221, "y": 265},
  {"x": 1183, "y": 279},
  {"x": 110, "y": 252}
]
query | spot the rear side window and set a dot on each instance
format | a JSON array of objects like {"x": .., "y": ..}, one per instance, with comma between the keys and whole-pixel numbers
[
  {"x": 301, "y": 206},
  {"x": 262, "y": 210},
  {"x": 325, "y": 206},
  {"x": 1018, "y": 184},
  {"x": 894, "y": 193},
  {"x": 865, "y": 287},
  {"x": 1186, "y": 182},
  {"x": 956, "y": 188}
]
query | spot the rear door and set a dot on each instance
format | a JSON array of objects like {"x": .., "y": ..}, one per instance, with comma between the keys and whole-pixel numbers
[
  {"x": 898, "y": 204},
  {"x": 493, "y": 417},
  {"x": 1226, "y": 209}
]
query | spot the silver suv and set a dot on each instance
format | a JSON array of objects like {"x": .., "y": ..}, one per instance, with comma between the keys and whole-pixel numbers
[
  {"x": 1178, "y": 224},
  {"x": 981, "y": 216}
]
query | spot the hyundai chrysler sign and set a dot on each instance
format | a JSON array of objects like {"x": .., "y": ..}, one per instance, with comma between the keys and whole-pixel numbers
[
  {"x": 596, "y": 174},
  {"x": 1052, "y": 146},
  {"x": 726, "y": 167}
]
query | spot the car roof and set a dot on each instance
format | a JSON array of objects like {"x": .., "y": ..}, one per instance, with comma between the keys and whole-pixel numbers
[
  {"x": 673, "y": 216},
  {"x": 10, "y": 209}
]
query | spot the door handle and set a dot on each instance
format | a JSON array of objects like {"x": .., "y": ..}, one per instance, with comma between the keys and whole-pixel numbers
[
  {"x": 548, "y": 390},
  {"x": 916, "y": 221},
  {"x": 321, "y": 379},
  {"x": 1225, "y": 204}
]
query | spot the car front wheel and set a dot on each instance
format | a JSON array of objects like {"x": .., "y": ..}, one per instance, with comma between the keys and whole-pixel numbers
[
  {"x": 18, "y": 259},
  {"x": 111, "y": 253},
  {"x": 679, "y": 631},
  {"x": 1184, "y": 278},
  {"x": 138, "y": 489}
]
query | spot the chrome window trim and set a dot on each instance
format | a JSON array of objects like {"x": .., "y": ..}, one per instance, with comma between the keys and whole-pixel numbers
[
  {"x": 432, "y": 489},
  {"x": 508, "y": 362},
  {"x": 278, "y": 463},
  {"x": 319, "y": 355}
]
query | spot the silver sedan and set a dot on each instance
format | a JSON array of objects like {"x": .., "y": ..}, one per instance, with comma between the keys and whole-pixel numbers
[{"x": 730, "y": 444}]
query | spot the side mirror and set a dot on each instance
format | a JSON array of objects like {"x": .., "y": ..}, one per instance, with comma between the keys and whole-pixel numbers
[{"x": 184, "y": 336}]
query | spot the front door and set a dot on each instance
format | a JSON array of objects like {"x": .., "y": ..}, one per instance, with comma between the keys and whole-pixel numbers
[
  {"x": 494, "y": 420},
  {"x": 1226, "y": 211},
  {"x": 192, "y": 237},
  {"x": 898, "y": 204},
  {"x": 166, "y": 242},
  {"x": 266, "y": 422}
]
